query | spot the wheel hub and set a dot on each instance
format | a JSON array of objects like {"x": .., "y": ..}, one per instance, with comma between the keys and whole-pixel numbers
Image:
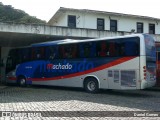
[{"x": 91, "y": 86}]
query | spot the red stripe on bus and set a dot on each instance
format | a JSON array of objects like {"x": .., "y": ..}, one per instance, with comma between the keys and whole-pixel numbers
[
  {"x": 111, "y": 64},
  {"x": 12, "y": 78}
]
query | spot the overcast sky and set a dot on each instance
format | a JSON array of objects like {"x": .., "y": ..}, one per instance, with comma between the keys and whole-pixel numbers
[{"x": 45, "y": 9}]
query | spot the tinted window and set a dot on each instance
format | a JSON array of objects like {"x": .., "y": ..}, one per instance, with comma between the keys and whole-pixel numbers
[
  {"x": 118, "y": 47},
  {"x": 108, "y": 48},
  {"x": 51, "y": 52},
  {"x": 25, "y": 54},
  {"x": 38, "y": 53},
  {"x": 130, "y": 46},
  {"x": 102, "y": 49},
  {"x": 87, "y": 49},
  {"x": 113, "y": 48},
  {"x": 68, "y": 51}
]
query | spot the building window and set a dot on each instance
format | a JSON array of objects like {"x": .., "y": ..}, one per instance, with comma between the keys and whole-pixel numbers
[
  {"x": 71, "y": 21},
  {"x": 139, "y": 27},
  {"x": 113, "y": 25},
  {"x": 100, "y": 24},
  {"x": 151, "y": 28}
]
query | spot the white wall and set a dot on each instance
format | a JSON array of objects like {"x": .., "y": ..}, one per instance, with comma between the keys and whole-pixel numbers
[
  {"x": 62, "y": 21},
  {"x": 89, "y": 20},
  {"x": 126, "y": 24}
]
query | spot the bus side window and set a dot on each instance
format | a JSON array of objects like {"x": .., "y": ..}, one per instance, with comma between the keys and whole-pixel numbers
[
  {"x": 93, "y": 49},
  {"x": 62, "y": 52},
  {"x": 51, "y": 52},
  {"x": 74, "y": 51},
  {"x": 81, "y": 50},
  {"x": 122, "y": 49},
  {"x": 29, "y": 54},
  {"x": 33, "y": 52},
  {"x": 65, "y": 51},
  {"x": 112, "y": 49},
  {"x": 68, "y": 51},
  {"x": 87, "y": 50},
  {"x": 47, "y": 52},
  {"x": 131, "y": 47},
  {"x": 40, "y": 53},
  {"x": 102, "y": 49},
  {"x": 18, "y": 54},
  {"x": 24, "y": 55}
]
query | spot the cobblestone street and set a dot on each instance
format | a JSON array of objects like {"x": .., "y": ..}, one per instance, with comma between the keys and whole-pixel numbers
[{"x": 37, "y": 98}]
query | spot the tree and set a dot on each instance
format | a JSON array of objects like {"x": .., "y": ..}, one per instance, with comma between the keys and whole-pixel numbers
[{"x": 9, "y": 14}]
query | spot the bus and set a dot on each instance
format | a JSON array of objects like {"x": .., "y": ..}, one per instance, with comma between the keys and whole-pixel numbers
[
  {"x": 157, "y": 44},
  {"x": 122, "y": 62}
]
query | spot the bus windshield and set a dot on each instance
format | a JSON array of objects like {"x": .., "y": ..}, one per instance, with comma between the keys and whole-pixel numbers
[
  {"x": 150, "y": 47},
  {"x": 150, "y": 57}
]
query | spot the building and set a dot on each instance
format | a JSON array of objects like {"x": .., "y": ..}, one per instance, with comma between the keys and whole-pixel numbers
[{"x": 105, "y": 21}]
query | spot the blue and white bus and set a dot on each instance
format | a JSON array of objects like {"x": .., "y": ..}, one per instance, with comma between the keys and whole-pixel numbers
[{"x": 124, "y": 62}]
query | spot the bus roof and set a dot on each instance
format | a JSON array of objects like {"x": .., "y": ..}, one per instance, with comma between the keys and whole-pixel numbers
[{"x": 69, "y": 41}]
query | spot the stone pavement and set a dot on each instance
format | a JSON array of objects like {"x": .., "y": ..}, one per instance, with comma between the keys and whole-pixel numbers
[{"x": 37, "y": 99}]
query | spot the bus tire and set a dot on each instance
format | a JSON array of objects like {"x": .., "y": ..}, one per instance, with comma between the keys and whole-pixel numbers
[
  {"x": 22, "y": 81},
  {"x": 91, "y": 85}
]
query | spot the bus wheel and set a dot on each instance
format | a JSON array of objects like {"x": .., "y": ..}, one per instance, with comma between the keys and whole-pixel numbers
[
  {"x": 91, "y": 85},
  {"x": 22, "y": 81}
]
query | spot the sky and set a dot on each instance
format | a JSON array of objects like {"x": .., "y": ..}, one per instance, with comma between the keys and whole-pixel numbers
[{"x": 45, "y": 9}]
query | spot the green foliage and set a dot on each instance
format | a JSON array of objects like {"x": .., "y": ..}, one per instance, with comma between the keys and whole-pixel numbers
[{"x": 9, "y": 14}]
